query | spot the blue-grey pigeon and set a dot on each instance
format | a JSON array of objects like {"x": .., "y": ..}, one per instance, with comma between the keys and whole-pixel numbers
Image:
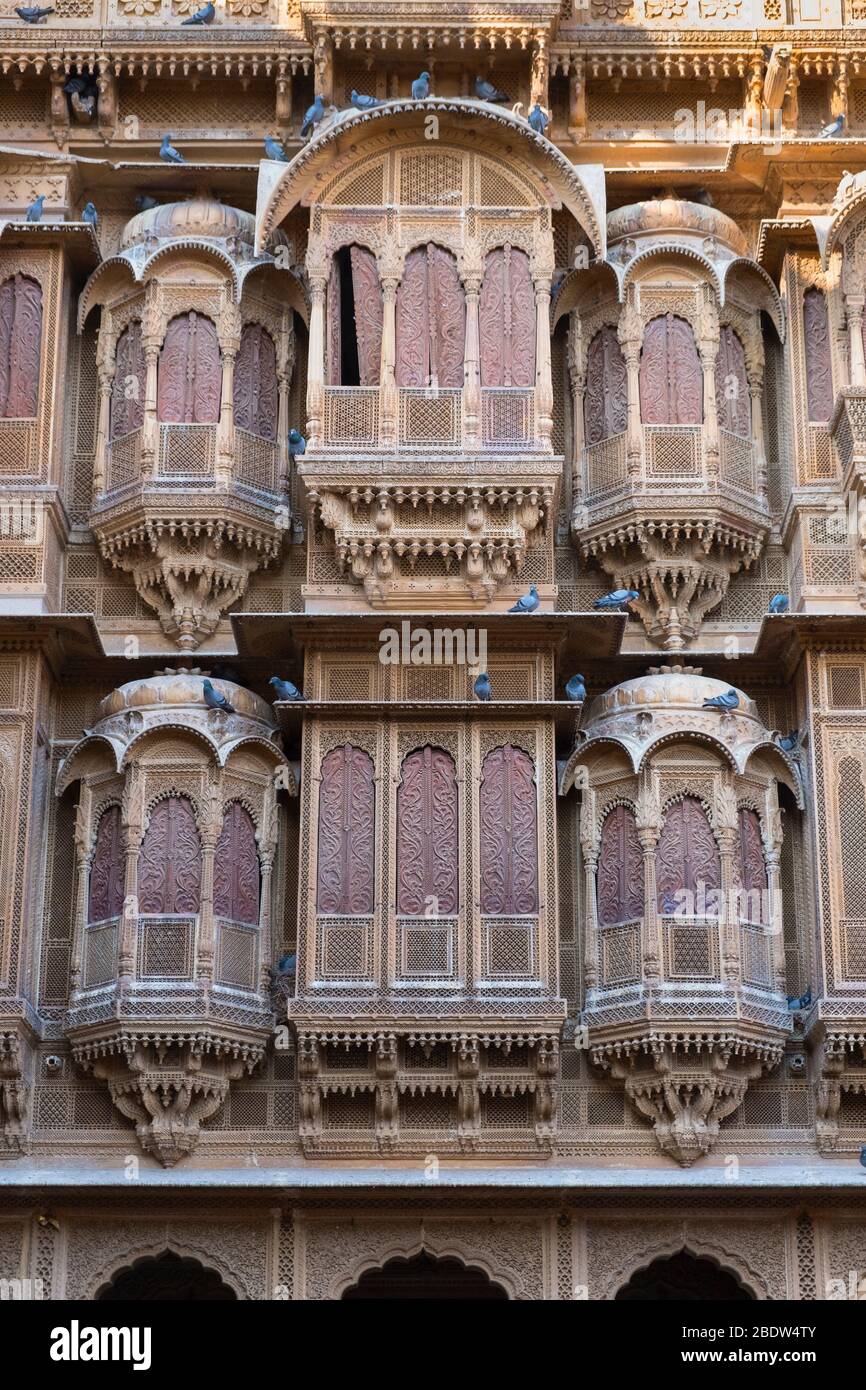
[
  {"x": 32, "y": 14},
  {"x": 34, "y": 212},
  {"x": 485, "y": 91},
  {"x": 576, "y": 690},
  {"x": 538, "y": 120},
  {"x": 617, "y": 598},
  {"x": 144, "y": 202},
  {"x": 284, "y": 689},
  {"x": 169, "y": 153},
  {"x": 202, "y": 16},
  {"x": 421, "y": 87},
  {"x": 527, "y": 603},
  {"x": 297, "y": 444},
  {"x": 863, "y": 1155},
  {"x": 730, "y": 700},
  {"x": 90, "y": 215},
  {"x": 274, "y": 150},
  {"x": 313, "y": 116},
  {"x": 214, "y": 700},
  {"x": 362, "y": 102},
  {"x": 482, "y": 687},
  {"x": 779, "y": 603},
  {"x": 791, "y": 741},
  {"x": 801, "y": 1001}
]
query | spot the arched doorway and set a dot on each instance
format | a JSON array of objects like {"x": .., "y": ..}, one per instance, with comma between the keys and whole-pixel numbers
[
  {"x": 166, "y": 1278},
  {"x": 683, "y": 1278},
  {"x": 425, "y": 1276}
]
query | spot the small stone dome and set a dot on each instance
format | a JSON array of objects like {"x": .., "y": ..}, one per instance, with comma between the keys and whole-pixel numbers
[
  {"x": 675, "y": 217},
  {"x": 172, "y": 692},
  {"x": 198, "y": 217}
]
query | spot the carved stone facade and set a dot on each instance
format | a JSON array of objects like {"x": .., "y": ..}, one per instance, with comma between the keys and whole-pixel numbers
[{"x": 377, "y": 983}]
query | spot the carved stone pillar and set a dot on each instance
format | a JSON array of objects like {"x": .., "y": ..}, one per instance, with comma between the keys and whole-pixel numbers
[
  {"x": 772, "y": 857},
  {"x": 59, "y": 108},
  {"x": 590, "y": 845},
  {"x": 132, "y": 831},
  {"x": 630, "y": 332},
  {"x": 577, "y": 382},
  {"x": 576, "y": 101},
  {"x": 539, "y": 90},
  {"x": 708, "y": 347},
  {"x": 388, "y": 363},
  {"x": 323, "y": 61},
  {"x": 543, "y": 379},
  {"x": 726, "y": 827},
  {"x": 791, "y": 104},
  {"x": 106, "y": 105},
  {"x": 103, "y": 417},
  {"x": 83, "y": 860},
  {"x": 283, "y": 106},
  {"x": 648, "y": 821},
  {"x": 839, "y": 92},
  {"x": 207, "y": 924},
  {"x": 472, "y": 365},
  {"x": 760, "y": 455},
  {"x": 854, "y": 313},
  {"x": 150, "y": 425},
  {"x": 316, "y": 361},
  {"x": 226, "y": 427}
]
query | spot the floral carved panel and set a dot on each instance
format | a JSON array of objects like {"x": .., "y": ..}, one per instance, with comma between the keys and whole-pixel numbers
[
  {"x": 732, "y": 385},
  {"x": 367, "y": 292},
  {"x": 620, "y": 869},
  {"x": 507, "y": 320},
  {"x": 190, "y": 375},
  {"x": 431, "y": 319},
  {"x": 107, "y": 869},
  {"x": 128, "y": 387},
  {"x": 606, "y": 398},
  {"x": 509, "y": 833},
  {"x": 346, "y": 852},
  {"x": 169, "y": 864},
  {"x": 255, "y": 383},
  {"x": 687, "y": 857},
  {"x": 819, "y": 374},
  {"x": 427, "y": 841},
  {"x": 20, "y": 344},
  {"x": 236, "y": 868},
  {"x": 671, "y": 382},
  {"x": 750, "y": 869}
]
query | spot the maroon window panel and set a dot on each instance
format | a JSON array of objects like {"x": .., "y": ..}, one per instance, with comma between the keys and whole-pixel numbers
[
  {"x": 367, "y": 292},
  {"x": 509, "y": 833},
  {"x": 431, "y": 320},
  {"x": 507, "y": 320},
  {"x": 347, "y": 814},
  {"x": 190, "y": 373},
  {"x": 427, "y": 860},
  {"x": 128, "y": 387},
  {"x": 605, "y": 405},
  {"x": 687, "y": 857},
  {"x": 20, "y": 346},
  {"x": 169, "y": 863},
  {"x": 671, "y": 381},
  {"x": 256, "y": 395},
  {"x": 107, "y": 869},
  {"x": 620, "y": 869},
  {"x": 333, "y": 310},
  {"x": 236, "y": 875},
  {"x": 819, "y": 372},
  {"x": 750, "y": 868},
  {"x": 733, "y": 404}
]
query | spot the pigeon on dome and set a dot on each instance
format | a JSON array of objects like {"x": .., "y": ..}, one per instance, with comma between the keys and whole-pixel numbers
[
  {"x": 486, "y": 91},
  {"x": 284, "y": 689},
  {"x": 527, "y": 603},
  {"x": 730, "y": 700},
  {"x": 168, "y": 153},
  {"x": 313, "y": 116},
  {"x": 421, "y": 87},
  {"x": 362, "y": 102},
  {"x": 482, "y": 687},
  {"x": 274, "y": 150},
  {"x": 538, "y": 119},
  {"x": 34, "y": 212},
  {"x": 617, "y": 598},
  {"x": 202, "y": 16},
  {"x": 214, "y": 700},
  {"x": 576, "y": 690}
]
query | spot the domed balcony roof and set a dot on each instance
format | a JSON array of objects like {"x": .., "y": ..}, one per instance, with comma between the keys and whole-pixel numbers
[
  {"x": 198, "y": 218},
  {"x": 671, "y": 218}
]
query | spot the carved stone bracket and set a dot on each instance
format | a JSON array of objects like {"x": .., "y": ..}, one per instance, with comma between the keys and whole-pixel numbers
[
  {"x": 14, "y": 1097},
  {"x": 842, "y": 1068}
]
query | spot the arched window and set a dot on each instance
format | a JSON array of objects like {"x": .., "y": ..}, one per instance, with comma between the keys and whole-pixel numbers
[
  {"x": 506, "y": 313},
  {"x": 687, "y": 859},
  {"x": 128, "y": 387},
  {"x": 620, "y": 869},
  {"x": 733, "y": 404},
  {"x": 107, "y": 869},
  {"x": 819, "y": 372},
  {"x": 431, "y": 320},
  {"x": 354, "y": 319},
  {"x": 346, "y": 855},
  {"x": 20, "y": 346},
  {"x": 509, "y": 833},
  {"x": 605, "y": 402},
  {"x": 236, "y": 873},
  {"x": 427, "y": 863},
  {"x": 671, "y": 381},
  {"x": 190, "y": 375},
  {"x": 256, "y": 395},
  {"x": 169, "y": 863},
  {"x": 750, "y": 869}
]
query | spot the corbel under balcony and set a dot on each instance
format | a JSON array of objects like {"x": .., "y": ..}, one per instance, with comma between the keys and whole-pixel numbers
[
  {"x": 837, "y": 1038},
  {"x": 16, "y": 1057}
]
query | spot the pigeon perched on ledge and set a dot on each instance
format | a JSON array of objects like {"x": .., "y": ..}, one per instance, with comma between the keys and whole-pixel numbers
[
  {"x": 362, "y": 102},
  {"x": 285, "y": 690},
  {"x": 313, "y": 115},
  {"x": 169, "y": 153},
  {"x": 485, "y": 91},
  {"x": 421, "y": 87},
  {"x": 576, "y": 690},
  {"x": 730, "y": 700},
  {"x": 790, "y": 742},
  {"x": 834, "y": 128},
  {"x": 779, "y": 603},
  {"x": 800, "y": 1002},
  {"x": 214, "y": 700},
  {"x": 90, "y": 215},
  {"x": 482, "y": 687},
  {"x": 274, "y": 150},
  {"x": 538, "y": 120},
  {"x": 297, "y": 444},
  {"x": 202, "y": 16},
  {"x": 617, "y": 598},
  {"x": 32, "y": 14},
  {"x": 34, "y": 212},
  {"x": 527, "y": 603}
]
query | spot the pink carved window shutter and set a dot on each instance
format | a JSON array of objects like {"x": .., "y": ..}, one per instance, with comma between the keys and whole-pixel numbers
[
  {"x": 427, "y": 866},
  {"x": 507, "y": 320},
  {"x": 733, "y": 403},
  {"x": 509, "y": 833},
  {"x": 333, "y": 352},
  {"x": 346, "y": 854},
  {"x": 687, "y": 857},
  {"x": 169, "y": 863},
  {"x": 606, "y": 397},
  {"x": 190, "y": 373},
  {"x": 256, "y": 395},
  {"x": 431, "y": 320},
  {"x": 20, "y": 346},
  {"x": 369, "y": 311},
  {"x": 750, "y": 869},
  {"x": 107, "y": 869},
  {"x": 236, "y": 878},
  {"x": 620, "y": 869},
  {"x": 671, "y": 381},
  {"x": 819, "y": 372},
  {"x": 128, "y": 387}
]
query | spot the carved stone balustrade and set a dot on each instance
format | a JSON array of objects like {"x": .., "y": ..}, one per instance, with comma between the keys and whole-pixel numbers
[{"x": 681, "y": 836}]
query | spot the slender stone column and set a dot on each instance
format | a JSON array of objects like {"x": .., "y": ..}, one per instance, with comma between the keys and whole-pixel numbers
[
  {"x": 316, "y": 361},
  {"x": 388, "y": 399},
  {"x": 854, "y": 310},
  {"x": 472, "y": 365},
  {"x": 100, "y": 463},
  {"x": 543, "y": 379}
]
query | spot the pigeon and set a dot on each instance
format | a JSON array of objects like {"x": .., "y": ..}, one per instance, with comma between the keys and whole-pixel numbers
[
  {"x": 576, "y": 690},
  {"x": 32, "y": 14},
  {"x": 527, "y": 603},
  {"x": 362, "y": 102},
  {"x": 617, "y": 598},
  {"x": 863, "y": 1155},
  {"x": 297, "y": 444},
  {"x": 144, "y": 202},
  {"x": 730, "y": 700},
  {"x": 830, "y": 131},
  {"x": 286, "y": 965},
  {"x": 84, "y": 103},
  {"x": 790, "y": 742},
  {"x": 779, "y": 603},
  {"x": 538, "y": 120},
  {"x": 800, "y": 1002},
  {"x": 274, "y": 150},
  {"x": 485, "y": 91},
  {"x": 169, "y": 153},
  {"x": 34, "y": 212},
  {"x": 421, "y": 87},
  {"x": 90, "y": 215},
  {"x": 313, "y": 116},
  {"x": 285, "y": 690},
  {"x": 482, "y": 687},
  {"x": 214, "y": 700},
  {"x": 76, "y": 84},
  {"x": 202, "y": 16}
]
